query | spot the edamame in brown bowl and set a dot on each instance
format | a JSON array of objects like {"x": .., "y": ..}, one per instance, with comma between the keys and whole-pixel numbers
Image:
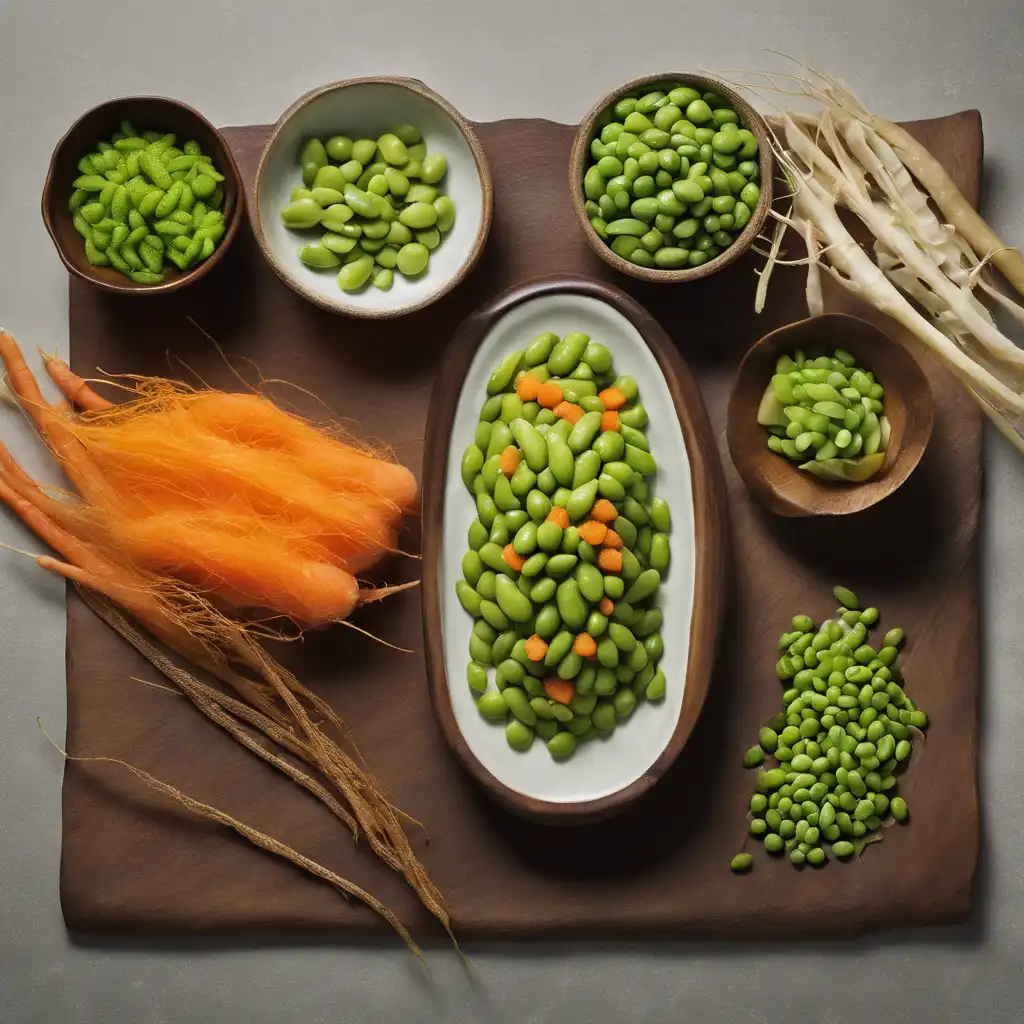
[{"x": 671, "y": 176}]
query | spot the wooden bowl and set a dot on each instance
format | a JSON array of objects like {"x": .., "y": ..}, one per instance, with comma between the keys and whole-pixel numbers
[
  {"x": 365, "y": 108},
  {"x": 580, "y": 157},
  {"x": 147, "y": 113},
  {"x": 603, "y": 776},
  {"x": 773, "y": 479}
]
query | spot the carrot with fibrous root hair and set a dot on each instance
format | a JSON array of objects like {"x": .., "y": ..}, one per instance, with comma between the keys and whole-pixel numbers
[
  {"x": 182, "y": 511},
  {"x": 76, "y": 389}
]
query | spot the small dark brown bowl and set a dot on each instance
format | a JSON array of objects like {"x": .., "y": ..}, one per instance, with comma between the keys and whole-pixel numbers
[
  {"x": 580, "y": 155},
  {"x": 147, "y": 113},
  {"x": 774, "y": 480}
]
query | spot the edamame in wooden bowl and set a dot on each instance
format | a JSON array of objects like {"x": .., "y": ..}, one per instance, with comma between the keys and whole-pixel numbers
[
  {"x": 671, "y": 176},
  {"x": 372, "y": 197}
]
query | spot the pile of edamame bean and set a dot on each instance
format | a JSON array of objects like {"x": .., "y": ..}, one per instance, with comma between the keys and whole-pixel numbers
[
  {"x": 843, "y": 738},
  {"x": 140, "y": 200},
  {"x": 567, "y": 549},
  {"x": 377, "y": 204},
  {"x": 674, "y": 177},
  {"x": 826, "y": 414}
]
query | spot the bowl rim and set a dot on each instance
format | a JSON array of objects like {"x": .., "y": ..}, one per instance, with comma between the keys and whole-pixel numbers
[
  {"x": 872, "y": 490},
  {"x": 710, "y": 548},
  {"x": 177, "y": 280},
  {"x": 483, "y": 172},
  {"x": 580, "y": 148}
]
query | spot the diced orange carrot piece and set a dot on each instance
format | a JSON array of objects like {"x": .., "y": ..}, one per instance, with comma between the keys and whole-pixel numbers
[
  {"x": 536, "y": 648},
  {"x": 584, "y": 645},
  {"x": 549, "y": 395},
  {"x": 512, "y": 558},
  {"x": 560, "y": 516},
  {"x": 613, "y": 398},
  {"x": 609, "y": 421},
  {"x": 604, "y": 510},
  {"x": 509, "y": 460},
  {"x": 560, "y": 690},
  {"x": 612, "y": 540},
  {"x": 606, "y": 607},
  {"x": 528, "y": 388},
  {"x": 610, "y": 560},
  {"x": 568, "y": 411},
  {"x": 593, "y": 532}
]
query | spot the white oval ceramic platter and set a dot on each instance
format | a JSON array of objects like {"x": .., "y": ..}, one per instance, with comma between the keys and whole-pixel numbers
[
  {"x": 367, "y": 109},
  {"x": 602, "y": 766}
]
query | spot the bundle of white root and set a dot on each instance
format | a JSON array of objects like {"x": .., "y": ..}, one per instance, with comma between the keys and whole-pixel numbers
[{"x": 932, "y": 251}]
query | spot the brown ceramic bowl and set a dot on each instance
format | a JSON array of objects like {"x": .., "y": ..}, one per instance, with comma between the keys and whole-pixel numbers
[
  {"x": 365, "y": 108},
  {"x": 773, "y": 479},
  {"x": 147, "y": 113},
  {"x": 580, "y": 158}
]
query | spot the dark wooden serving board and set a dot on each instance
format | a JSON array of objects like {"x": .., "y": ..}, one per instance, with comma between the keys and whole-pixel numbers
[{"x": 134, "y": 863}]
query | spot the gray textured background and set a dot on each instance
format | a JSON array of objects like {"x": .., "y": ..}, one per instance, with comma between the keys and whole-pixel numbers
[{"x": 244, "y": 63}]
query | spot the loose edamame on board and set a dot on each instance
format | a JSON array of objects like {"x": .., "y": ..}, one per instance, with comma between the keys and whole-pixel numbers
[
  {"x": 554, "y": 546},
  {"x": 844, "y": 729}
]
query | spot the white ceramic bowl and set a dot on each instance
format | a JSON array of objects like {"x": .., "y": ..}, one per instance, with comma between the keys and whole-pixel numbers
[
  {"x": 366, "y": 108},
  {"x": 601, "y": 774}
]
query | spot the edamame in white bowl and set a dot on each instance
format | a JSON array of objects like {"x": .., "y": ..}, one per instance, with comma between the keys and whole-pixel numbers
[
  {"x": 604, "y": 775},
  {"x": 367, "y": 108}
]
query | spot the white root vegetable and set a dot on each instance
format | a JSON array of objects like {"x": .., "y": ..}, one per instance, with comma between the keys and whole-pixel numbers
[{"x": 927, "y": 274}]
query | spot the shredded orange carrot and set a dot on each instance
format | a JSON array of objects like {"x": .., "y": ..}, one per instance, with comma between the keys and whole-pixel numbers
[
  {"x": 559, "y": 690},
  {"x": 568, "y": 411},
  {"x": 606, "y": 606},
  {"x": 604, "y": 510},
  {"x": 584, "y": 645},
  {"x": 512, "y": 558},
  {"x": 560, "y": 516},
  {"x": 509, "y": 460},
  {"x": 612, "y": 540},
  {"x": 609, "y": 421},
  {"x": 593, "y": 532},
  {"x": 610, "y": 560},
  {"x": 528, "y": 387},
  {"x": 613, "y": 398},
  {"x": 536, "y": 648},
  {"x": 549, "y": 395}
]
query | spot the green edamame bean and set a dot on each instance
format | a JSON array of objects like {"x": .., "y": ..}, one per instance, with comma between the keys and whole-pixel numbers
[
  {"x": 511, "y": 601},
  {"x": 581, "y": 501},
  {"x": 560, "y": 458},
  {"x": 587, "y": 467},
  {"x": 560, "y": 646},
  {"x": 609, "y": 445},
  {"x": 571, "y": 605},
  {"x": 591, "y": 582},
  {"x": 519, "y": 705},
  {"x": 561, "y": 745},
  {"x": 525, "y": 541},
  {"x": 507, "y": 369},
  {"x": 584, "y": 432},
  {"x": 568, "y": 352},
  {"x": 539, "y": 350},
  {"x": 645, "y": 584},
  {"x": 538, "y": 504},
  {"x": 640, "y": 461}
]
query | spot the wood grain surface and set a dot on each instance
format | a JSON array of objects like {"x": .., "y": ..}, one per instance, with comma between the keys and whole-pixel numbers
[{"x": 132, "y": 863}]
